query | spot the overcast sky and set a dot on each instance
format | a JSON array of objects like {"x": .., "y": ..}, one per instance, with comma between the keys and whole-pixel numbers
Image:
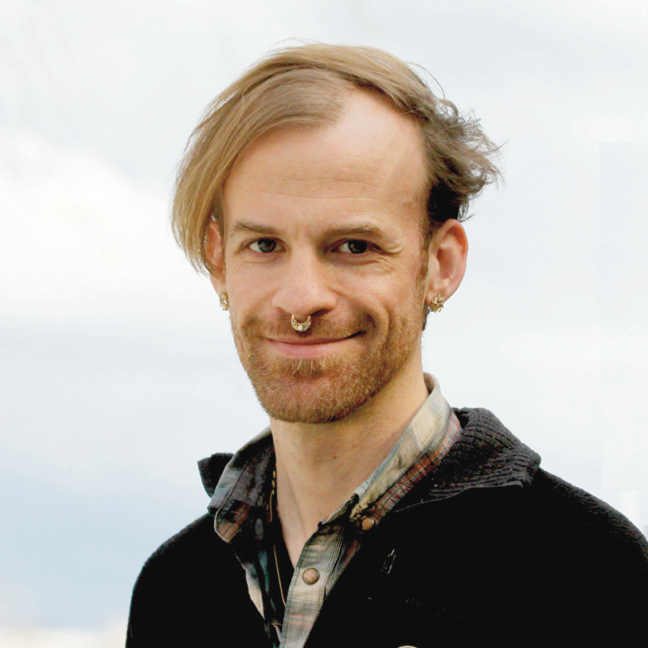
[{"x": 117, "y": 371}]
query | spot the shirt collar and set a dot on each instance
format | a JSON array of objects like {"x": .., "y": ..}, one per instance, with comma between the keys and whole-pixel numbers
[
  {"x": 241, "y": 492},
  {"x": 242, "y": 487},
  {"x": 428, "y": 434}
]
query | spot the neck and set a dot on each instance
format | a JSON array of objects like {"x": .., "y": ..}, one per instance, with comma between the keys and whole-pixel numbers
[{"x": 319, "y": 466}]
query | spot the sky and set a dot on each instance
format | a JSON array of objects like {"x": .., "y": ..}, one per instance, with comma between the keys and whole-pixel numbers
[{"x": 117, "y": 371}]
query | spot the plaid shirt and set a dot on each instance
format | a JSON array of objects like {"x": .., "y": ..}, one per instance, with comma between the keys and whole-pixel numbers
[{"x": 239, "y": 506}]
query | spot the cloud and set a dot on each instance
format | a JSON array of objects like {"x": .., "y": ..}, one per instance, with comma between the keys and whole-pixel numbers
[
  {"x": 111, "y": 637},
  {"x": 76, "y": 231}
]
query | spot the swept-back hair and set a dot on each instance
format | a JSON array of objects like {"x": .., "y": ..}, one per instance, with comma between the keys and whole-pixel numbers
[{"x": 307, "y": 86}]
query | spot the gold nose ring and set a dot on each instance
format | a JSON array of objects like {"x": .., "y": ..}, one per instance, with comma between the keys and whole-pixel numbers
[{"x": 300, "y": 326}]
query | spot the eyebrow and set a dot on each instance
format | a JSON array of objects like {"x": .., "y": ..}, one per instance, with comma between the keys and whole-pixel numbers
[
  {"x": 357, "y": 228},
  {"x": 366, "y": 228},
  {"x": 249, "y": 226}
]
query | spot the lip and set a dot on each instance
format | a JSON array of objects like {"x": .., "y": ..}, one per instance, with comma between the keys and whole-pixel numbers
[{"x": 313, "y": 347}]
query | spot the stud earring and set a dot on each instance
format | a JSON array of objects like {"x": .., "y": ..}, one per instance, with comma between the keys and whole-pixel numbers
[
  {"x": 300, "y": 326},
  {"x": 224, "y": 301},
  {"x": 437, "y": 304}
]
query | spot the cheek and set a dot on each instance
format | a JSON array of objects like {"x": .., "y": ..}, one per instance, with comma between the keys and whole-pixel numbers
[
  {"x": 387, "y": 303},
  {"x": 395, "y": 291},
  {"x": 246, "y": 296},
  {"x": 245, "y": 283}
]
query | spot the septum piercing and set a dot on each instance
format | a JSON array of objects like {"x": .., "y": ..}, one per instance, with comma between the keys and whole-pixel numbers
[{"x": 300, "y": 326}]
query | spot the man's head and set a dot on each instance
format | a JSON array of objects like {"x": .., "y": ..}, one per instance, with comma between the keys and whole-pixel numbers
[
  {"x": 309, "y": 191},
  {"x": 308, "y": 86}
]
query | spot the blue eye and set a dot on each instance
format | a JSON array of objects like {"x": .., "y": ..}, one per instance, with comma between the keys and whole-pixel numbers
[
  {"x": 354, "y": 247},
  {"x": 264, "y": 245}
]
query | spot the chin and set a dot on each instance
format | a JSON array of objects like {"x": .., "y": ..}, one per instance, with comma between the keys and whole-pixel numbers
[
  {"x": 296, "y": 406},
  {"x": 315, "y": 391}
]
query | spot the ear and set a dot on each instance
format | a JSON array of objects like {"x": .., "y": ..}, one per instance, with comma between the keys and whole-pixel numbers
[
  {"x": 447, "y": 254},
  {"x": 215, "y": 256}
]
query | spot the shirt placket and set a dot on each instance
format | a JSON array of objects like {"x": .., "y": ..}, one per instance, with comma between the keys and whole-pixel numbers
[{"x": 309, "y": 584}]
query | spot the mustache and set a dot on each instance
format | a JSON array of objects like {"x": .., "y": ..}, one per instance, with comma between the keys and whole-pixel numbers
[{"x": 321, "y": 326}]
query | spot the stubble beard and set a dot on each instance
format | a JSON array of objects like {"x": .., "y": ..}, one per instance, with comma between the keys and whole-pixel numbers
[{"x": 328, "y": 389}]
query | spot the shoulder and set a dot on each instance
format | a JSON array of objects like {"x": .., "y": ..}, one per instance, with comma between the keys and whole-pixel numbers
[
  {"x": 191, "y": 581},
  {"x": 568, "y": 507},
  {"x": 592, "y": 559},
  {"x": 194, "y": 558},
  {"x": 193, "y": 544},
  {"x": 566, "y": 516}
]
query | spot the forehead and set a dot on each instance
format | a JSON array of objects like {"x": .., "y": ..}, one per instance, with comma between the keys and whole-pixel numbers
[{"x": 370, "y": 159}]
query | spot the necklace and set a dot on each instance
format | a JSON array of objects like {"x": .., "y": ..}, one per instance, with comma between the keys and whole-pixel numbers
[{"x": 272, "y": 507}]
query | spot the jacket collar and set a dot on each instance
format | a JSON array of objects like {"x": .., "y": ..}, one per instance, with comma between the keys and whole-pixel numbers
[{"x": 485, "y": 455}]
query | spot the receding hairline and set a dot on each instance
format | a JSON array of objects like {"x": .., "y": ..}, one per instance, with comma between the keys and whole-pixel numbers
[{"x": 345, "y": 105}]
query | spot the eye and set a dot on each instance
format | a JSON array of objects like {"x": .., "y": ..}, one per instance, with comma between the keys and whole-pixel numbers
[
  {"x": 354, "y": 247},
  {"x": 264, "y": 245}
]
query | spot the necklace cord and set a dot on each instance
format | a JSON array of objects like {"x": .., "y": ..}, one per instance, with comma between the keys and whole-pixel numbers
[{"x": 273, "y": 525}]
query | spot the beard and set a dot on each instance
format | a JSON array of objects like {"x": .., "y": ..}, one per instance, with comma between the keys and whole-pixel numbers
[{"x": 327, "y": 389}]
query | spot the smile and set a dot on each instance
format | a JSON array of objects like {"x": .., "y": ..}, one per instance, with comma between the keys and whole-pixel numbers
[{"x": 313, "y": 347}]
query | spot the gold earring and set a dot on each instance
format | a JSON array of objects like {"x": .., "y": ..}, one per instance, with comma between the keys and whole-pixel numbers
[
  {"x": 437, "y": 304},
  {"x": 224, "y": 301}
]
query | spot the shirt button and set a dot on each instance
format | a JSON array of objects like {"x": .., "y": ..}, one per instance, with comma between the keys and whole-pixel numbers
[
  {"x": 311, "y": 576},
  {"x": 368, "y": 523}
]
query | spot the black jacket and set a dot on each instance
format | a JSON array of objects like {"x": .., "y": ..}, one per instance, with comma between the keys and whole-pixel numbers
[{"x": 489, "y": 548}]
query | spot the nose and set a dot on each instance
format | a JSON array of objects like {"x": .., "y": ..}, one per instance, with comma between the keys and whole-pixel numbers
[{"x": 305, "y": 287}]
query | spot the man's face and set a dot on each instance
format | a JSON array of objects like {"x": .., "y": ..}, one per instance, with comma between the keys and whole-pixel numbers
[{"x": 327, "y": 223}]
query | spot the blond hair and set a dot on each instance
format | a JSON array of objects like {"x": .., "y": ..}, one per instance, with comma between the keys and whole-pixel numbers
[{"x": 307, "y": 86}]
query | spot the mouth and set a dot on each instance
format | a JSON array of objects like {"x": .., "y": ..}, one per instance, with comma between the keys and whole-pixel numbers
[{"x": 310, "y": 347}]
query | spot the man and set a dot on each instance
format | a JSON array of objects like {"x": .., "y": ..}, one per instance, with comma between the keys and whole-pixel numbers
[{"x": 323, "y": 193}]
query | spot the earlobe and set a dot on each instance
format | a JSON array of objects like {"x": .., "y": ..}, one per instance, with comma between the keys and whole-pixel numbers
[
  {"x": 447, "y": 256},
  {"x": 215, "y": 257}
]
